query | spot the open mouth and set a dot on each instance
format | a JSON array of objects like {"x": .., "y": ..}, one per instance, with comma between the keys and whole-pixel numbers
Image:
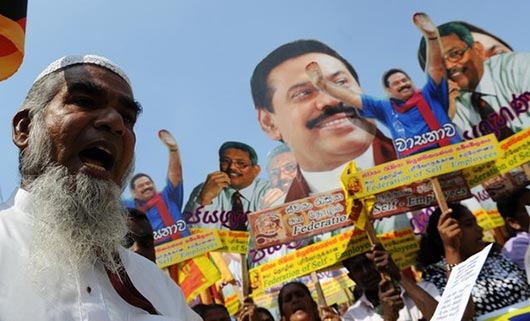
[{"x": 98, "y": 158}]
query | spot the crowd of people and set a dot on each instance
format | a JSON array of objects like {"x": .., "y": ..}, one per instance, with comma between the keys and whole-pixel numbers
[{"x": 74, "y": 249}]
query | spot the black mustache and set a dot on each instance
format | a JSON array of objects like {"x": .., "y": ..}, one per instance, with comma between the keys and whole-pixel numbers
[
  {"x": 330, "y": 111},
  {"x": 404, "y": 87},
  {"x": 229, "y": 171}
]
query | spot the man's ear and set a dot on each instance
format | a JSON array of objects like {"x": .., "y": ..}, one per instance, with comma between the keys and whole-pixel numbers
[
  {"x": 479, "y": 48},
  {"x": 266, "y": 121},
  {"x": 513, "y": 223},
  {"x": 21, "y": 126},
  {"x": 257, "y": 169}
]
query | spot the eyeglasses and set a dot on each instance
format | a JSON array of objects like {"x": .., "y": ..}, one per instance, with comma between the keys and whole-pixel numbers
[
  {"x": 456, "y": 54},
  {"x": 227, "y": 162},
  {"x": 288, "y": 169}
]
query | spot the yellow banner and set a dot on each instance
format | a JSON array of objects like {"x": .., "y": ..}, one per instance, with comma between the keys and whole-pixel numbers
[
  {"x": 232, "y": 241},
  {"x": 399, "y": 243},
  {"x": 326, "y": 253},
  {"x": 334, "y": 288},
  {"x": 308, "y": 259},
  {"x": 231, "y": 299},
  {"x": 186, "y": 248},
  {"x": 515, "y": 152},
  {"x": 267, "y": 300},
  {"x": 424, "y": 165},
  {"x": 488, "y": 220}
]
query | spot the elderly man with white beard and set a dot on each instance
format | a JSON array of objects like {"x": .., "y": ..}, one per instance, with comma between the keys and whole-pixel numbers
[{"x": 60, "y": 252}]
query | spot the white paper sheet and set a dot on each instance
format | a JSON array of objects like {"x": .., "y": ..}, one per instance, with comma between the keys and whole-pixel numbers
[{"x": 456, "y": 294}]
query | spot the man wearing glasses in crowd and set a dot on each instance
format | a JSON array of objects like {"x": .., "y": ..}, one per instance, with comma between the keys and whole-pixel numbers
[
  {"x": 228, "y": 195},
  {"x": 494, "y": 91},
  {"x": 281, "y": 169}
]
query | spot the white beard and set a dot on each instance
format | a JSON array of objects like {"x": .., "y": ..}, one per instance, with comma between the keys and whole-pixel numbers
[{"x": 77, "y": 219}]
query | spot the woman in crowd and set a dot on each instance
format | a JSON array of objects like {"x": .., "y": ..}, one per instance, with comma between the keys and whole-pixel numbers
[
  {"x": 296, "y": 304},
  {"x": 454, "y": 236}
]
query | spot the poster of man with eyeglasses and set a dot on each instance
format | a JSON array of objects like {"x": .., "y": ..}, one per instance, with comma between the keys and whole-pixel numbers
[
  {"x": 492, "y": 91},
  {"x": 227, "y": 195}
]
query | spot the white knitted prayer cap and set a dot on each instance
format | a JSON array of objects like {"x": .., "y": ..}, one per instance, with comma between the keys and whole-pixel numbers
[{"x": 66, "y": 61}]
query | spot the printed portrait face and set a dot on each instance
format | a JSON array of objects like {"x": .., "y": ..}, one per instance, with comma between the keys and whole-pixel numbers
[
  {"x": 400, "y": 86},
  {"x": 282, "y": 170},
  {"x": 303, "y": 117},
  {"x": 491, "y": 45},
  {"x": 144, "y": 188},
  {"x": 238, "y": 165},
  {"x": 464, "y": 63}
]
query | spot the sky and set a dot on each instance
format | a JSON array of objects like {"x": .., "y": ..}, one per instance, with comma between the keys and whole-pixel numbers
[{"x": 190, "y": 62}]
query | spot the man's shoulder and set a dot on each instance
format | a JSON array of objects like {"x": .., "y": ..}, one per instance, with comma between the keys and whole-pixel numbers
[
  {"x": 357, "y": 311},
  {"x": 508, "y": 61},
  {"x": 198, "y": 186},
  {"x": 375, "y": 102},
  {"x": 261, "y": 183},
  {"x": 128, "y": 202},
  {"x": 8, "y": 217},
  {"x": 139, "y": 267},
  {"x": 9, "y": 212},
  {"x": 521, "y": 238}
]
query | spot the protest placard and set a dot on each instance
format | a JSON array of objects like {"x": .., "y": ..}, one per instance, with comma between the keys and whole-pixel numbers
[
  {"x": 515, "y": 151},
  {"x": 424, "y": 165},
  {"x": 402, "y": 244},
  {"x": 232, "y": 241},
  {"x": 299, "y": 219},
  {"x": 186, "y": 248}
]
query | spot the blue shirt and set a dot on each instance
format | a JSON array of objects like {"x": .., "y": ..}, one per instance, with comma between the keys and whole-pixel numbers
[
  {"x": 409, "y": 129},
  {"x": 173, "y": 199}
]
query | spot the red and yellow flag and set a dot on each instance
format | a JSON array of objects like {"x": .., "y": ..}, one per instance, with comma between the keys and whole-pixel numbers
[
  {"x": 196, "y": 275},
  {"x": 12, "y": 35}
]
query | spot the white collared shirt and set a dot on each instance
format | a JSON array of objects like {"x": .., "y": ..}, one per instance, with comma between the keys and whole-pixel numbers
[
  {"x": 87, "y": 295},
  {"x": 320, "y": 182},
  {"x": 505, "y": 77}
]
